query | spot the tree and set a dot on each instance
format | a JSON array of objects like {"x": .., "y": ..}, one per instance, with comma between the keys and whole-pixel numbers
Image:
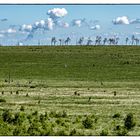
[
  {"x": 80, "y": 41},
  {"x": 129, "y": 122},
  {"x": 126, "y": 40},
  {"x": 89, "y": 41},
  {"x": 53, "y": 41},
  {"x": 104, "y": 41},
  {"x": 67, "y": 41}
]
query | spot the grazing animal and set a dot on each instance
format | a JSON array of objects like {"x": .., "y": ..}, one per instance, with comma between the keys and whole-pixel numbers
[
  {"x": 17, "y": 92},
  {"x": 27, "y": 95},
  {"x": 89, "y": 99},
  {"x": 75, "y": 93},
  {"x": 101, "y": 83},
  {"x": 2, "y": 92},
  {"x": 115, "y": 93}
]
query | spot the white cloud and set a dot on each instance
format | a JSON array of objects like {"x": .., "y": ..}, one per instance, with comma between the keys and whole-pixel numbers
[
  {"x": 77, "y": 22},
  {"x": 96, "y": 27},
  {"x": 39, "y": 24},
  {"x": 136, "y": 33},
  {"x": 65, "y": 25},
  {"x": 57, "y": 13},
  {"x": 27, "y": 28},
  {"x": 50, "y": 24},
  {"x": 135, "y": 21},
  {"x": 121, "y": 20},
  {"x": 10, "y": 30}
]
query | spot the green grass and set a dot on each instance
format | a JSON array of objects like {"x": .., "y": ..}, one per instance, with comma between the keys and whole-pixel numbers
[
  {"x": 71, "y": 63},
  {"x": 51, "y": 75}
]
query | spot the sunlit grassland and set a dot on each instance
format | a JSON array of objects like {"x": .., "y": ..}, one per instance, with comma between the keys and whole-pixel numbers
[{"x": 83, "y": 81}]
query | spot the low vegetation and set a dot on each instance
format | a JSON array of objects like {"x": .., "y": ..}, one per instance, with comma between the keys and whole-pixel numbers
[{"x": 70, "y": 91}]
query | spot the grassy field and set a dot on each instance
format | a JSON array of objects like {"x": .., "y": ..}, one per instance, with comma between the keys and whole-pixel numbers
[{"x": 77, "y": 90}]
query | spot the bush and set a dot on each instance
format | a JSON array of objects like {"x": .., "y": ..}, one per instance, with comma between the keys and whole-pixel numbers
[
  {"x": 7, "y": 116},
  {"x": 64, "y": 114},
  {"x": 73, "y": 132},
  {"x": 2, "y": 100},
  {"x": 35, "y": 113},
  {"x": 58, "y": 114},
  {"x": 87, "y": 123},
  {"x": 104, "y": 133},
  {"x": 34, "y": 129},
  {"x": 121, "y": 131},
  {"x": 19, "y": 118},
  {"x": 129, "y": 122},
  {"x": 62, "y": 132},
  {"x": 117, "y": 115},
  {"x": 20, "y": 130},
  {"x": 42, "y": 118},
  {"x": 22, "y": 108}
]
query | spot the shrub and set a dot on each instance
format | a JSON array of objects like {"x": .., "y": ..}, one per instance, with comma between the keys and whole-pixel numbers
[
  {"x": 19, "y": 118},
  {"x": 73, "y": 132},
  {"x": 42, "y": 118},
  {"x": 121, "y": 131},
  {"x": 61, "y": 132},
  {"x": 64, "y": 114},
  {"x": 129, "y": 122},
  {"x": 117, "y": 115},
  {"x": 22, "y": 108},
  {"x": 2, "y": 100},
  {"x": 34, "y": 129},
  {"x": 59, "y": 121},
  {"x": 7, "y": 116},
  {"x": 58, "y": 114},
  {"x": 104, "y": 133},
  {"x": 20, "y": 130},
  {"x": 87, "y": 123},
  {"x": 35, "y": 113}
]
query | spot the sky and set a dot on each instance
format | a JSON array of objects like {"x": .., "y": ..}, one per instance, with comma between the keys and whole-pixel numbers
[{"x": 37, "y": 24}]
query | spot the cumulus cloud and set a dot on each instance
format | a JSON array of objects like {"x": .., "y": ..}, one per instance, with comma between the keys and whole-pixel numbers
[
  {"x": 26, "y": 28},
  {"x": 57, "y": 13},
  {"x": 10, "y": 30},
  {"x": 50, "y": 24},
  {"x": 77, "y": 22},
  {"x": 96, "y": 27},
  {"x": 136, "y": 33},
  {"x": 135, "y": 21},
  {"x": 39, "y": 24},
  {"x": 121, "y": 20}
]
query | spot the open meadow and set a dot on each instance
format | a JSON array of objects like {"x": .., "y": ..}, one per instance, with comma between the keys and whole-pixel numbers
[{"x": 72, "y": 90}]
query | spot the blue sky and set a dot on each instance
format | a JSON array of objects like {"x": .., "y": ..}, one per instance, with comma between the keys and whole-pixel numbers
[{"x": 18, "y": 22}]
